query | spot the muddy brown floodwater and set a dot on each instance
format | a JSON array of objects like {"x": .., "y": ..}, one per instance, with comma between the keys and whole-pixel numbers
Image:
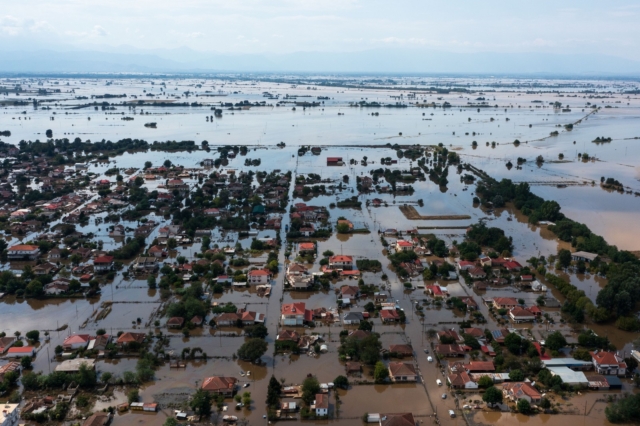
[{"x": 126, "y": 304}]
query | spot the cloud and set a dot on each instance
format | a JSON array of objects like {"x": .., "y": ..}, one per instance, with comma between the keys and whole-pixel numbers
[
  {"x": 15, "y": 26},
  {"x": 99, "y": 31},
  {"x": 191, "y": 35}
]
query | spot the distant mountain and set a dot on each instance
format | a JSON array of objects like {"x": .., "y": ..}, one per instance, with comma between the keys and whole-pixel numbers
[{"x": 403, "y": 61}]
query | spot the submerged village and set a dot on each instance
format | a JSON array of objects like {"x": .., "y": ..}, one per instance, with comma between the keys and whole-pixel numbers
[{"x": 401, "y": 281}]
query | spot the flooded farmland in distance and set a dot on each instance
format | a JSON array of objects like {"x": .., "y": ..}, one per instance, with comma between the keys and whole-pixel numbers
[{"x": 276, "y": 120}]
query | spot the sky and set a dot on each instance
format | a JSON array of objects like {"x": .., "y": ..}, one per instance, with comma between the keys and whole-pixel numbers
[{"x": 286, "y": 26}]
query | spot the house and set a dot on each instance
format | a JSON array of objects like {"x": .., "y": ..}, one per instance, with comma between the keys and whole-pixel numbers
[
  {"x": 258, "y": 277},
  {"x": 157, "y": 252},
  {"x": 5, "y": 343},
  {"x": 61, "y": 285},
  {"x": 307, "y": 248},
  {"x": 512, "y": 266},
  {"x": 341, "y": 262},
  {"x": 294, "y": 314},
  {"x": 300, "y": 282},
  {"x": 251, "y": 318},
  {"x": 97, "y": 419},
  {"x": 452, "y": 350},
  {"x": 349, "y": 292},
  {"x": 477, "y": 273},
  {"x": 146, "y": 263},
  {"x": 435, "y": 291},
  {"x": 19, "y": 352},
  {"x": 519, "y": 314},
  {"x": 499, "y": 335},
  {"x": 228, "y": 319},
  {"x": 103, "y": 263},
  {"x": 465, "y": 265},
  {"x": 175, "y": 322},
  {"x": 475, "y": 332},
  {"x": 212, "y": 212},
  {"x": 403, "y": 245},
  {"x": 401, "y": 350},
  {"x": 7, "y": 368},
  {"x": 353, "y": 367},
  {"x": 471, "y": 304},
  {"x": 10, "y": 415},
  {"x": 45, "y": 269},
  {"x": 296, "y": 269},
  {"x": 461, "y": 380},
  {"x": 118, "y": 231},
  {"x": 23, "y": 252},
  {"x": 389, "y": 315},
  {"x": 128, "y": 338},
  {"x": 480, "y": 367},
  {"x": 334, "y": 161},
  {"x": 396, "y": 419},
  {"x": 505, "y": 302},
  {"x": 584, "y": 256},
  {"x": 450, "y": 334},
  {"x": 76, "y": 341},
  {"x": 402, "y": 372},
  {"x": 608, "y": 363},
  {"x": 352, "y": 318},
  {"x": 220, "y": 385},
  {"x": 288, "y": 335},
  {"x": 99, "y": 342},
  {"x": 321, "y": 404},
  {"x": 521, "y": 390}
]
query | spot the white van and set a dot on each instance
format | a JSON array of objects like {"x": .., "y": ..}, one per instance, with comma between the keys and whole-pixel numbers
[
  {"x": 452, "y": 413},
  {"x": 429, "y": 359},
  {"x": 439, "y": 382}
]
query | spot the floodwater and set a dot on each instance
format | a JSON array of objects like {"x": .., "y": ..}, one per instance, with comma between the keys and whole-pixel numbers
[{"x": 351, "y": 133}]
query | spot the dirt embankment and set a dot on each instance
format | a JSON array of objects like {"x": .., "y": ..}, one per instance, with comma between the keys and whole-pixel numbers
[{"x": 412, "y": 214}]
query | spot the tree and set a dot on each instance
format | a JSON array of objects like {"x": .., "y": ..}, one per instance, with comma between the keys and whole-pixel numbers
[
  {"x": 147, "y": 164},
  {"x": 380, "y": 372},
  {"x": 106, "y": 377},
  {"x": 485, "y": 382},
  {"x": 151, "y": 281},
  {"x": 273, "y": 392},
  {"x": 252, "y": 349},
  {"x": 310, "y": 387},
  {"x": 258, "y": 330},
  {"x": 33, "y": 335},
  {"x": 49, "y": 133},
  {"x": 201, "y": 403},
  {"x": 523, "y": 406},
  {"x": 564, "y": 258},
  {"x": 59, "y": 349},
  {"x": 545, "y": 403},
  {"x": 171, "y": 421},
  {"x": 516, "y": 375},
  {"x": 343, "y": 228},
  {"x": 133, "y": 395},
  {"x": 555, "y": 341},
  {"x": 29, "y": 381},
  {"x": 25, "y": 362},
  {"x": 341, "y": 382},
  {"x": 492, "y": 395}
]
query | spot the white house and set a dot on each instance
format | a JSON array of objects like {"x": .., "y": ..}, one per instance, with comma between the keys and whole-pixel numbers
[
  {"x": 76, "y": 341},
  {"x": 321, "y": 404},
  {"x": 9, "y": 415},
  {"x": 609, "y": 363},
  {"x": 293, "y": 313},
  {"x": 341, "y": 262},
  {"x": 258, "y": 277},
  {"x": 23, "y": 252},
  {"x": 403, "y": 245},
  {"x": 461, "y": 380}
]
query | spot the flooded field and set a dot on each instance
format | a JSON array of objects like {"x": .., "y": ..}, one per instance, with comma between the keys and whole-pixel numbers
[{"x": 492, "y": 114}]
